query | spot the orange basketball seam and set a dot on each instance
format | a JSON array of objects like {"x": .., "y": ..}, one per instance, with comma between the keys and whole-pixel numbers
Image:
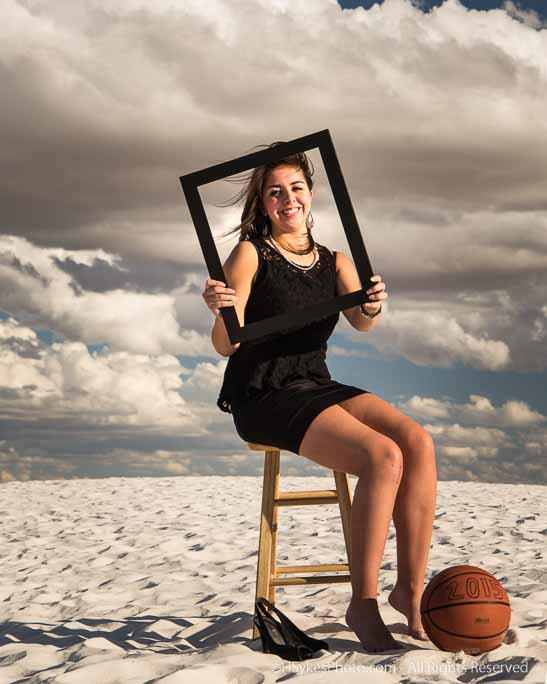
[
  {"x": 465, "y": 603},
  {"x": 468, "y": 636}
]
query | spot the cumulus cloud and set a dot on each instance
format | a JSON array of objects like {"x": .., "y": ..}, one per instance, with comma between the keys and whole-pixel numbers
[
  {"x": 67, "y": 411},
  {"x": 36, "y": 286},
  {"x": 478, "y": 410},
  {"x": 205, "y": 380},
  {"x": 480, "y": 291},
  {"x": 461, "y": 454},
  {"x": 154, "y": 462},
  {"x": 20, "y": 340},
  {"x": 477, "y": 440},
  {"x": 528, "y": 17},
  {"x": 33, "y": 283},
  {"x": 435, "y": 339},
  {"x": 427, "y": 407},
  {"x": 513, "y": 414},
  {"x": 459, "y": 435},
  {"x": 99, "y": 388},
  {"x": 336, "y": 350}
]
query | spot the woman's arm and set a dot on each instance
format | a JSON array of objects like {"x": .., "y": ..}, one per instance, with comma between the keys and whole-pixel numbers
[
  {"x": 347, "y": 280},
  {"x": 240, "y": 269}
]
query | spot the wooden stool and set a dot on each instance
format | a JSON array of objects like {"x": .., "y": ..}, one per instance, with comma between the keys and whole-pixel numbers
[{"x": 268, "y": 572}]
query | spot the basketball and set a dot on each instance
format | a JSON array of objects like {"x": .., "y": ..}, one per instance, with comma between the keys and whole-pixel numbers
[{"x": 465, "y": 608}]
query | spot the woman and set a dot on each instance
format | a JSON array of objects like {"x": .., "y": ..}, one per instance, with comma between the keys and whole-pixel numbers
[{"x": 280, "y": 392}]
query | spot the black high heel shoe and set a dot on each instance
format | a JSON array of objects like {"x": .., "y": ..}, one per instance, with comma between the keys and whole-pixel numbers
[{"x": 282, "y": 637}]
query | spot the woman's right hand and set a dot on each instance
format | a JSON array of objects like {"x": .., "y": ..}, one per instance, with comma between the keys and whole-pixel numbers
[{"x": 217, "y": 295}]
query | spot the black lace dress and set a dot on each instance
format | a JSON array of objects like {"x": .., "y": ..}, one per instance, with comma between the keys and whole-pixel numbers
[{"x": 276, "y": 385}]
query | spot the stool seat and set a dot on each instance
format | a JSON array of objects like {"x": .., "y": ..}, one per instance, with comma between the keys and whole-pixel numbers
[{"x": 268, "y": 572}]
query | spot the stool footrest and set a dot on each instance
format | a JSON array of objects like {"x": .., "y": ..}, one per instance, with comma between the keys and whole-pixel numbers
[
  {"x": 333, "y": 567},
  {"x": 324, "y": 579},
  {"x": 306, "y": 498}
]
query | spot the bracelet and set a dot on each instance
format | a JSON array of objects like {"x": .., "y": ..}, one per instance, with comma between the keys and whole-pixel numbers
[{"x": 366, "y": 313}]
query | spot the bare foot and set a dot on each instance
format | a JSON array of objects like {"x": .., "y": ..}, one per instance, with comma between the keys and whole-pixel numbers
[
  {"x": 409, "y": 606},
  {"x": 363, "y": 617}
]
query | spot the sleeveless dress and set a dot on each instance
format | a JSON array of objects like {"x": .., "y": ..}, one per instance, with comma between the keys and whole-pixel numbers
[{"x": 275, "y": 386}]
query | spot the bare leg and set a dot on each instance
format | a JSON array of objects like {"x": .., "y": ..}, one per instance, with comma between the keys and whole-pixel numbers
[
  {"x": 414, "y": 508},
  {"x": 337, "y": 440},
  {"x": 413, "y": 517},
  {"x": 373, "y": 502}
]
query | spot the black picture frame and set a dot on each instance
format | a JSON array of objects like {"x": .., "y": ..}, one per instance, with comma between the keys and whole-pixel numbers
[{"x": 322, "y": 140}]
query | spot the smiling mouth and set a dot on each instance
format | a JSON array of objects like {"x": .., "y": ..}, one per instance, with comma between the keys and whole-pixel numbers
[{"x": 290, "y": 212}]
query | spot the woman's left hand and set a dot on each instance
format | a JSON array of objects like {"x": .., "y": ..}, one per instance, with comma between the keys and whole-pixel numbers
[{"x": 377, "y": 294}]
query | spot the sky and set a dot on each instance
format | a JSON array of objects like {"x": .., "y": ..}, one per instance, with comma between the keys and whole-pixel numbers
[
  {"x": 438, "y": 118},
  {"x": 533, "y": 12}
]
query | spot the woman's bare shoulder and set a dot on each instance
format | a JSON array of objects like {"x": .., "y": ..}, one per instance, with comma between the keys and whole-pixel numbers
[
  {"x": 243, "y": 261},
  {"x": 246, "y": 252},
  {"x": 342, "y": 260}
]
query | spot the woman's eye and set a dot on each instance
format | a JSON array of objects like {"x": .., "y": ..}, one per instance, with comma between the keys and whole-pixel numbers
[{"x": 297, "y": 188}]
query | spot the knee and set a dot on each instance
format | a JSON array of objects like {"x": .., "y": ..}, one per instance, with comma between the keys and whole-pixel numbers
[
  {"x": 393, "y": 462},
  {"x": 419, "y": 448},
  {"x": 386, "y": 462},
  {"x": 418, "y": 439}
]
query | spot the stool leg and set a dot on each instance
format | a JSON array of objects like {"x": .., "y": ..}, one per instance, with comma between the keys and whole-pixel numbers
[
  {"x": 266, "y": 525},
  {"x": 274, "y": 457},
  {"x": 345, "y": 502}
]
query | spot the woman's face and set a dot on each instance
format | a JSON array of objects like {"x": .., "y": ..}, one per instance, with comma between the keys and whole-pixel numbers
[{"x": 287, "y": 199}]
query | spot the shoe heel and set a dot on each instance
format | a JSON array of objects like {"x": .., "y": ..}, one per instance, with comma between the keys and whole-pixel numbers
[
  {"x": 283, "y": 638},
  {"x": 296, "y": 634}
]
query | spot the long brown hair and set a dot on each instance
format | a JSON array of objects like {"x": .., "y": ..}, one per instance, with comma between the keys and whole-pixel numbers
[{"x": 254, "y": 220}]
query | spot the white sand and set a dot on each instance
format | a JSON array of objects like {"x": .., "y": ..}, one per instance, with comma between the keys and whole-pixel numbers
[{"x": 152, "y": 579}]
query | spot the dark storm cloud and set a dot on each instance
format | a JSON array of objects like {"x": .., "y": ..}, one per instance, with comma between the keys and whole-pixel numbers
[
  {"x": 139, "y": 274},
  {"x": 9, "y": 259},
  {"x": 104, "y": 117}
]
